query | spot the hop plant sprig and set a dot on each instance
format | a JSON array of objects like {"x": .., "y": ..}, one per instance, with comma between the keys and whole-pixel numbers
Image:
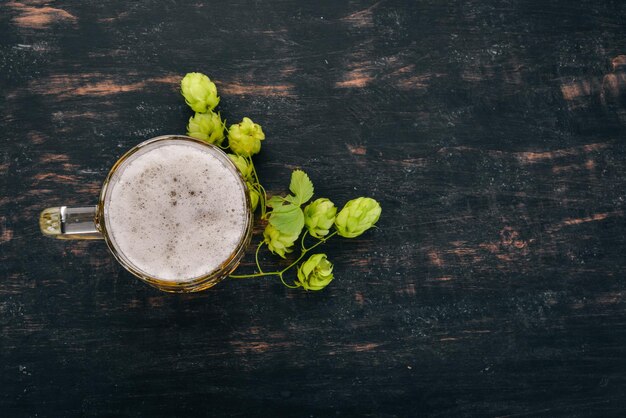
[
  {"x": 244, "y": 138},
  {"x": 286, "y": 222}
]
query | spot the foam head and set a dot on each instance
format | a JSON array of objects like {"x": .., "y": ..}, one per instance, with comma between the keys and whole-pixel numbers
[{"x": 176, "y": 210}]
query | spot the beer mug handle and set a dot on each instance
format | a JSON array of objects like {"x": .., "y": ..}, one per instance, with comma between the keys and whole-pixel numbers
[{"x": 70, "y": 223}]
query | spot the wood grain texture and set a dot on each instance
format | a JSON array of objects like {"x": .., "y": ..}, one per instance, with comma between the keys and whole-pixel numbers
[{"x": 492, "y": 133}]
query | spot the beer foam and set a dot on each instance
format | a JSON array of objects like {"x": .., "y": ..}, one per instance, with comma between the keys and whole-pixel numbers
[{"x": 175, "y": 211}]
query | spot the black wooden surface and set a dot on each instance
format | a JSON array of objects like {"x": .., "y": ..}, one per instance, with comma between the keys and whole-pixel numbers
[{"x": 492, "y": 133}]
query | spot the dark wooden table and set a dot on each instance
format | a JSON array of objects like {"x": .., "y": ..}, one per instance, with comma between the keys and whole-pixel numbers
[{"x": 492, "y": 133}]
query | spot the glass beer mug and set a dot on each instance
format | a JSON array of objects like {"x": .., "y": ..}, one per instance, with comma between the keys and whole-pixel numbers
[{"x": 174, "y": 211}]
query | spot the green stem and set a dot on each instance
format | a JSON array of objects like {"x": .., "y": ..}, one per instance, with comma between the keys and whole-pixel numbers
[
  {"x": 256, "y": 177},
  {"x": 303, "y": 237},
  {"x": 261, "y": 189},
  {"x": 250, "y": 276},
  {"x": 306, "y": 250},
  {"x": 256, "y": 256},
  {"x": 321, "y": 241},
  {"x": 281, "y": 272},
  {"x": 263, "y": 200},
  {"x": 287, "y": 285}
]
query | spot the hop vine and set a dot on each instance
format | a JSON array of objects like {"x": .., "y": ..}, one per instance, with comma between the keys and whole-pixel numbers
[{"x": 286, "y": 222}]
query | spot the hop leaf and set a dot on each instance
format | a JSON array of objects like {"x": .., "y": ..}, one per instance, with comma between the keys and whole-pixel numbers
[
  {"x": 315, "y": 273},
  {"x": 207, "y": 127},
  {"x": 301, "y": 187},
  {"x": 287, "y": 218},
  {"x": 243, "y": 165},
  {"x": 275, "y": 201},
  {"x": 245, "y": 138},
  {"x": 254, "y": 196},
  {"x": 319, "y": 217},
  {"x": 278, "y": 242},
  {"x": 199, "y": 92},
  {"x": 357, "y": 216}
]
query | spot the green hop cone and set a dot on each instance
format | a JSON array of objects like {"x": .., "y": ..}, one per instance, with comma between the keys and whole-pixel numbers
[
  {"x": 245, "y": 138},
  {"x": 319, "y": 217},
  {"x": 278, "y": 242},
  {"x": 315, "y": 273},
  {"x": 254, "y": 196},
  {"x": 207, "y": 127},
  {"x": 199, "y": 92},
  {"x": 357, "y": 216},
  {"x": 243, "y": 165}
]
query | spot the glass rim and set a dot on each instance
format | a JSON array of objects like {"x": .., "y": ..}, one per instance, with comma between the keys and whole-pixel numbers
[{"x": 197, "y": 283}]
